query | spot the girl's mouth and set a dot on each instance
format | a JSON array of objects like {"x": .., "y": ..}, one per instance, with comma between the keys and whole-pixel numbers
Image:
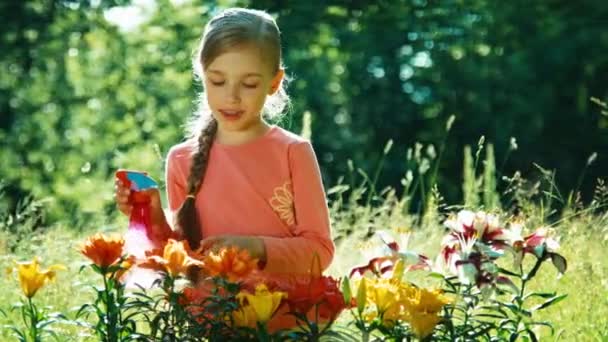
[{"x": 231, "y": 115}]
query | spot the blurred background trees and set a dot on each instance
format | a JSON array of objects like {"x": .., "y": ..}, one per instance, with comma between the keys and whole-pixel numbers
[{"x": 91, "y": 86}]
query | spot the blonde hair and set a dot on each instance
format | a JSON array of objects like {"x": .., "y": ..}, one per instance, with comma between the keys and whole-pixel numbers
[{"x": 229, "y": 29}]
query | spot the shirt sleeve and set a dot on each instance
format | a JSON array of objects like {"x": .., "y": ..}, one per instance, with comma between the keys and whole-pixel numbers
[
  {"x": 175, "y": 181},
  {"x": 312, "y": 231}
]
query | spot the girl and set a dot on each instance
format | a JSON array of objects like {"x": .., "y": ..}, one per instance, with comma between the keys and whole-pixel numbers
[{"x": 236, "y": 180}]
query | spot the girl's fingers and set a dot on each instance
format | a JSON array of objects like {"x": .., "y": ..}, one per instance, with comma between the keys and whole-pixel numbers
[
  {"x": 121, "y": 197},
  {"x": 127, "y": 211},
  {"x": 209, "y": 244},
  {"x": 205, "y": 244}
]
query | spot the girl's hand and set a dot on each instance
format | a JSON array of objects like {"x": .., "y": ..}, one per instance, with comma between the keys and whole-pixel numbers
[
  {"x": 124, "y": 202},
  {"x": 121, "y": 196},
  {"x": 254, "y": 245}
]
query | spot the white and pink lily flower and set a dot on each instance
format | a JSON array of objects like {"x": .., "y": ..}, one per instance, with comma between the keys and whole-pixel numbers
[
  {"x": 540, "y": 243},
  {"x": 456, "y": 250},
  {"x": 483, "y": 226},
  {"x": 392, "y": 252},
  {"x": 412, "y": 259}
]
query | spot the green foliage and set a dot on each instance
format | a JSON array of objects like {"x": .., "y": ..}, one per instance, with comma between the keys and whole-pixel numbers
[
  {"x": 491, "y": 200},
  {"x": 20, "y": 222},
  {"x": 38, "y": 323},
  {"x": 115, "y": 315},
  {"x": 470, "y": 185},
  {"x": 83, "y": 96},
  {"x": 572, "y": 319}
]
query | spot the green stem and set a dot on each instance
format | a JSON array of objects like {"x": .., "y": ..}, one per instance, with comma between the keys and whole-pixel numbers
[
  {"x": 119, "y": 294},
  {"x": 365, "y": 336},
  {"x": 422, "y": 197},
  {"x": 411, "y": 193},
  {"x": 375, "y": 180},
  {"x": 436, "y": 166},
  {"x": 522, "y": 291},
  {"x": 466, "y": 311},
  {"x": 504, "y": 162},
  {"x": 262, "y": 332},
  {"x": 448, "y": 321},
  {"x": 451, "y": 310},
  {"x": 172, "y": 326},
  {"x": 360, "y": 324},
  {"x": 579, "y": 182},
  {"x": 33, "y": 320},
  {"x": 110, "y": 319}
]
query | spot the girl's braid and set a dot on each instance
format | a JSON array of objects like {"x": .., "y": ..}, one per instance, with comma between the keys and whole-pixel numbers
[{"x": 187, "y": 217}]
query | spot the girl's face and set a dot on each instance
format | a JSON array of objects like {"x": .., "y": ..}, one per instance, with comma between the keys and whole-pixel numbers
[{"x": 237, "y": 83}]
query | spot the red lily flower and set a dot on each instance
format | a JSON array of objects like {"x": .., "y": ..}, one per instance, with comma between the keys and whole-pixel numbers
[{"x": 318, "y": 290}]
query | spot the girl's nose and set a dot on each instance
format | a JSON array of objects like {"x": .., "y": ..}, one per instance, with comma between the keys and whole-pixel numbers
[{"x": 233, "y": 94}]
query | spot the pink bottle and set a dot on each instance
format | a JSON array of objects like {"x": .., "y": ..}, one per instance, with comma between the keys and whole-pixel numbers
[{"x": 138, "y": 238}]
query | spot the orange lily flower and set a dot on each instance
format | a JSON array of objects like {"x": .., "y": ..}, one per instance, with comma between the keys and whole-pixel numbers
[
  {"x": 175, "y": 259},
  {"x": 231, "y": 263},
  {"x": 125, "y": 266},
  {"x": 103, "y": 250}
]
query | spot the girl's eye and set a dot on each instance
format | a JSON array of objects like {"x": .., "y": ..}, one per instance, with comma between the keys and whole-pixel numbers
[
  {"x": 251, "y": 86},
  {"x": 217, "y": 84}
]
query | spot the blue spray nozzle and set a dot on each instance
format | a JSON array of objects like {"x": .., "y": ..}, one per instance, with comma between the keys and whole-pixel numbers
[{"x": 140, "y": 181}]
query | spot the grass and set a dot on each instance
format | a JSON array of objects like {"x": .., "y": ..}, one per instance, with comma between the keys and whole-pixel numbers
[
  {"x": 583, "y": 316},
  {"x": 357, "y": 211}
]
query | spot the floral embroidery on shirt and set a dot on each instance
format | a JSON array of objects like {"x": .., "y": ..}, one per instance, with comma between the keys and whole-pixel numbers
[{"x": 282, "y": 203}]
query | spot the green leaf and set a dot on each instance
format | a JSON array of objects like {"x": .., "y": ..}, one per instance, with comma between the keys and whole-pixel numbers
[
  {"x": 490, "y": 316},
  {"x": 515, "y": 309},
  {"x": 507, "y": 272},
  {"x": 43, "y": 324},
  {"x": 52, "y": 333},
  {"x": 559, "y": 262},
  {"x": 532, "y": 335},
  {"x": 436, "y": 275},
  {"x": 549, "y": 302},
  {"x": 546, "y": 324},
  {"x": 503, "y": 324},
  {"x": 539, "y": 294},
  {"x": 84, "y": 309},
  {"x": 18, "y": 333},
  {"x": 82, "y": 267},
  {"x": 346, "y": 290},
  {"x": 494, "y": 309}
]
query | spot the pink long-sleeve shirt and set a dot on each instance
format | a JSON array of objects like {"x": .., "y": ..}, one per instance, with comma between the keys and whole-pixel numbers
[{"x": 271, "y": 188}]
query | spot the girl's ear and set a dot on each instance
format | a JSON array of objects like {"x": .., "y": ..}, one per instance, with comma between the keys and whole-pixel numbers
[{"x": 276, "y": 82}]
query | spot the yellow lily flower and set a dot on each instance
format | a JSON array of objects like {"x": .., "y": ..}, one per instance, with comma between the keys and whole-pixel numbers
[
  {"x": 258, "y": 307},
  {"x": 398, "y": 270},
  {"x": 423, "y": 324},
  {"x": 425, "y": 300},
  {"x": 423, "y": 306},
  {"x": 384, "y": 293},
  {"x": 32, "y": 278},
  {"x": 244, "y": 316}
]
